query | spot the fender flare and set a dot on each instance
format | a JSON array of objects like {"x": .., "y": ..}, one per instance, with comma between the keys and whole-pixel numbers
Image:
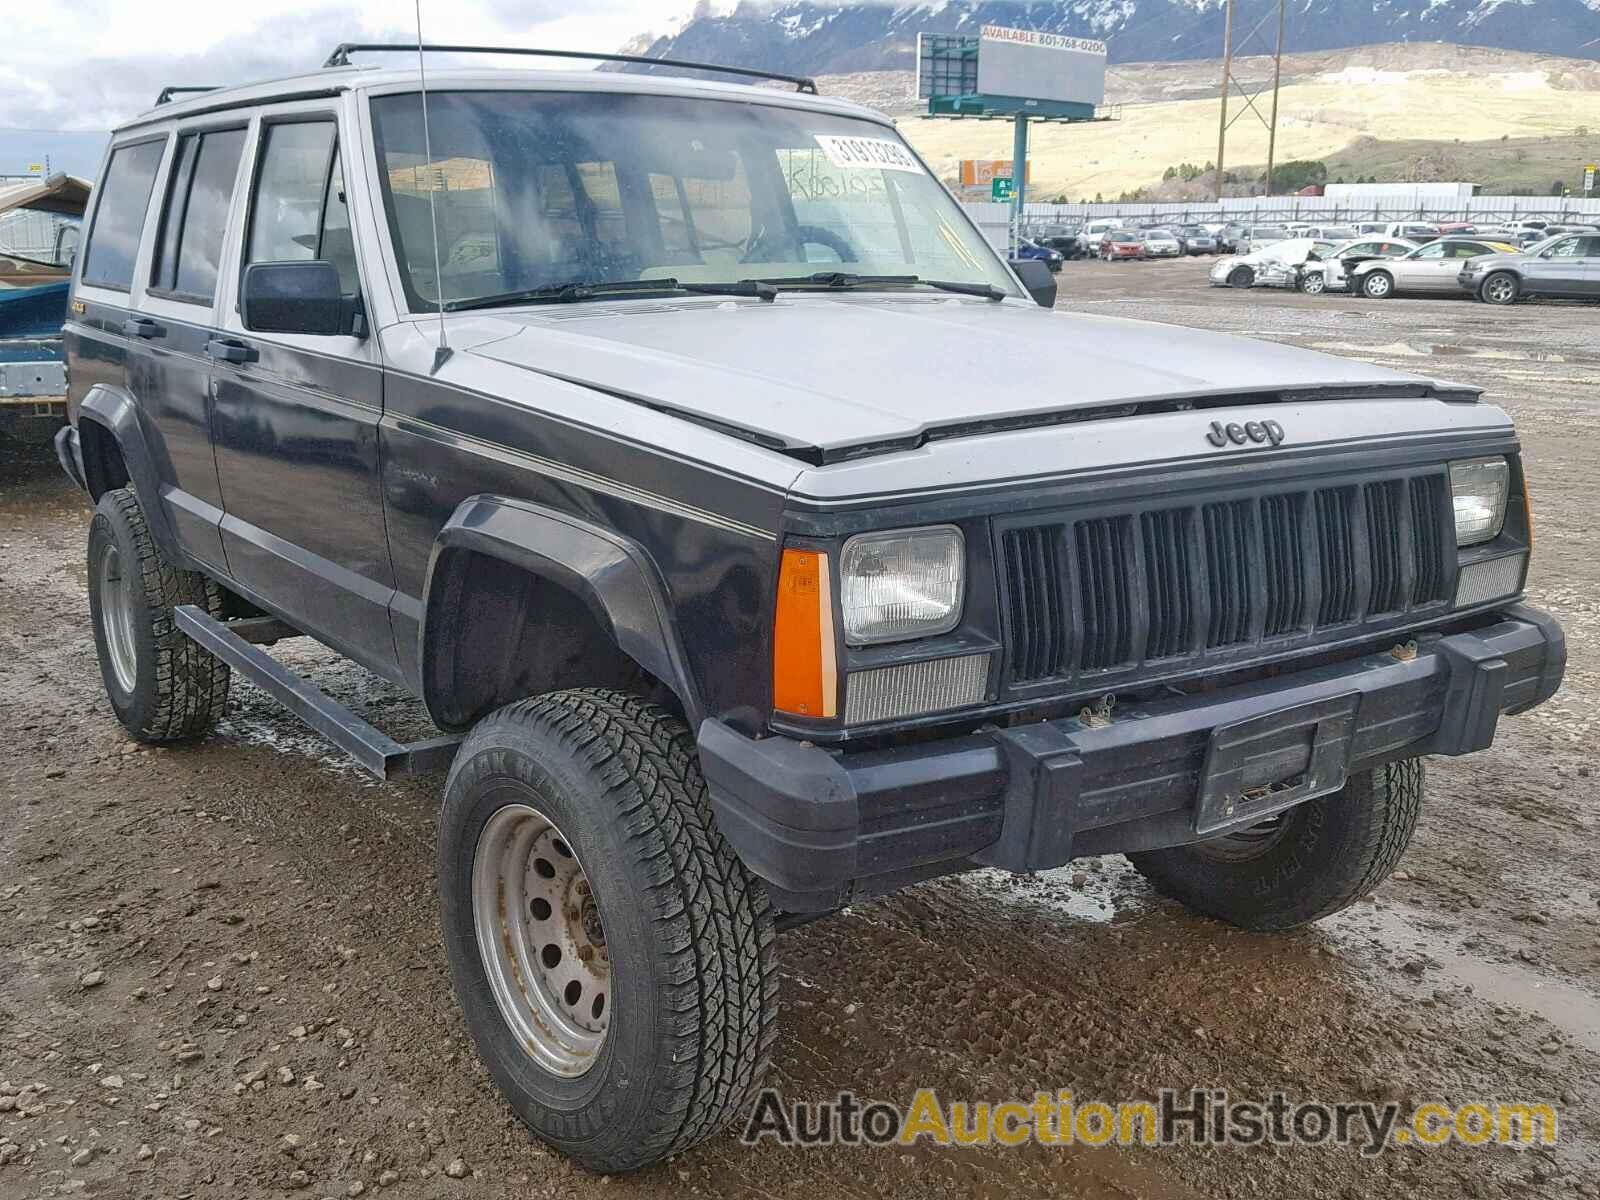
[
  {"x": 612, "y": 575},
  {"x": 116, "y": 412}
]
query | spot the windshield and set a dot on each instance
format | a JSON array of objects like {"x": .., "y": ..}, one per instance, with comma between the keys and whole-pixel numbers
[{"x": 538, "y": 190}]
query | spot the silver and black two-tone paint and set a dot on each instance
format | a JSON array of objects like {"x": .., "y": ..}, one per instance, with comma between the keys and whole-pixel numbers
[{"x": 501, "y": 499}]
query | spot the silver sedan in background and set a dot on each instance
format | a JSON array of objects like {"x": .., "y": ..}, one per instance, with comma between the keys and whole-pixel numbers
[{"x": 1434, "y": 267}]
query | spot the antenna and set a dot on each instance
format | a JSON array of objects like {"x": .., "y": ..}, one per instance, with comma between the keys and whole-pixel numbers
[{"x": 442, "y": 352}]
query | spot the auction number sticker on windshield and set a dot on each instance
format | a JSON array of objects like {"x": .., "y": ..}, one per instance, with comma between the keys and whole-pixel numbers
[{"x": 867, "y": 153}]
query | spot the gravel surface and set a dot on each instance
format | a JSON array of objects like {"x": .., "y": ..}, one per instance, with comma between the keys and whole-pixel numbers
[{"x": 221, "y": 975}]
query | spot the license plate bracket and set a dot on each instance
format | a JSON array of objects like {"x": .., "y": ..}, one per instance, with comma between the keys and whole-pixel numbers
[{"x": 1272, "y": 761}]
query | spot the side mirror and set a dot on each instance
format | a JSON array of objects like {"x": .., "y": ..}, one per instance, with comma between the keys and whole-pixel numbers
[
  {"x": 294, "y": 297},
  {"x": 1035, "y": 276}
]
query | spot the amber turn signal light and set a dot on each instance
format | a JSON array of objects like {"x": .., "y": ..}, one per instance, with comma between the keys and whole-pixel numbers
[{"x": 805, "y": 675}]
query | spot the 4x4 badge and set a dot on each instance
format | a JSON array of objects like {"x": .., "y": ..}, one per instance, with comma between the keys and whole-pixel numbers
[{"x": 1259, "y": 432}]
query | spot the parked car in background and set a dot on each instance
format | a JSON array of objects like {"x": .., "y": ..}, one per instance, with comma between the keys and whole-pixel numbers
[
  {"x": 1161, "y": 243},
  {"x": 1567, "y": 265},
  {"x": 1433, "y": 267},
  {"x": 1450, "y": 228},
  {"x": 1121, "y": 244},
  {"x": 1363, "y": 228},
  {"x": 1415, "y": 231},
  {"x": 1228, "y": 237},
  {"x": 1255, "y": 237},
  {"x": 1331, "y": 271},
  {"x": 1330, "y": 233},
  {"x": 1065, "y": 244},
  {"x": 1027, "y": 249},
  {"x": 1276, "y": 264},
  {"x": 1093, "y": 231},
  {"x": 1197, "y": 239}
]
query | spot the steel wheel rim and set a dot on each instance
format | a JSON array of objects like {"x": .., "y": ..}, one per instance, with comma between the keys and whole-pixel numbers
[
  {"x": 540, "y": 939},
  {"x": 116, "y": 618},
  {"x": 1499, "y": 289},
  {"x": 1247, "y": 843}
]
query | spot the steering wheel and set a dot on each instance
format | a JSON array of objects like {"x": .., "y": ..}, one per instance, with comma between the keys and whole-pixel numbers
[
  {"x": 760, "y": 244},
  {"x": 815, "y": 235}
]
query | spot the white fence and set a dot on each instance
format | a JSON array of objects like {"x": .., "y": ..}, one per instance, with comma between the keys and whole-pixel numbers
[{"x": 1317, "y": 209}]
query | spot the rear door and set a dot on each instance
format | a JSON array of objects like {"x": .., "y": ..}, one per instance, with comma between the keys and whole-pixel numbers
[
  {"x": 178, "y": 318},
  {"x": 1424, "y": 271},
  {"x": 297, "y": 414},
  {"x": 1562, "y": 268}
]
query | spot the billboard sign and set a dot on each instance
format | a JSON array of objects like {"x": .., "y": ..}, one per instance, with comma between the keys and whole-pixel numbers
[
  {"x": 980, "y": 172},
  {"x": 1041, "y": 66},
  {"x": 1588, "y": 179}
]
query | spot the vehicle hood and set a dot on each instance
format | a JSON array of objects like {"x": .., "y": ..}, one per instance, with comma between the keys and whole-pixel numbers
[{"x": 827, "y": 377}]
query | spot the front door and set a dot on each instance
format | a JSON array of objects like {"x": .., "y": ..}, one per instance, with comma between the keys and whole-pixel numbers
[{"x": 296, "y": 415}]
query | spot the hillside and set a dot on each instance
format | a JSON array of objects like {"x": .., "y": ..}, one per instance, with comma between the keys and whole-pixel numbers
[
  {"x": 834, "y": 37},
  {"x": 1375, "y": 111}
]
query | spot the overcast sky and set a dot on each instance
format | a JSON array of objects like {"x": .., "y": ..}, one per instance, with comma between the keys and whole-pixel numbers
[{"x": 85, "y": 65}]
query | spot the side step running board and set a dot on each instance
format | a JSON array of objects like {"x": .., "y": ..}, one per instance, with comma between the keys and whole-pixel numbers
[{"x": 372, "y": 748}]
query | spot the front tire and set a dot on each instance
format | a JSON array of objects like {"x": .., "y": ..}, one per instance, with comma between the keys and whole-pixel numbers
[
  {"x": 1241, "y": 277},
  {"x": 1305, "y": 864},
  {"x": 614, "y": 959},
  {"x": 1500, "y": 288},
  {"x": 162, "y": 686}
]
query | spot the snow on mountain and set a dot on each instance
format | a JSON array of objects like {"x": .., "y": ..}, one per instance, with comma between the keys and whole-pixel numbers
[{"x": 832, "y": 36}]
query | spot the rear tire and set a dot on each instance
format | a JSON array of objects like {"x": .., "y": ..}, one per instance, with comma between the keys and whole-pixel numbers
[
  {"x": 1313, "y": 283},
  {"x": 1308, "y": 863},
  {"x": 1377, "y": 285},
  {"x": 685, "y": 932},
  {"x": 162, "y": 686},
  {"x": 1502, "y": 287}
]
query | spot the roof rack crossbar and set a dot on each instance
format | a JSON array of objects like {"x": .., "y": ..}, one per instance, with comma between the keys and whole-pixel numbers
[
  {"x": 167, "y": 93},
  {"x": 341, "y": 58}
]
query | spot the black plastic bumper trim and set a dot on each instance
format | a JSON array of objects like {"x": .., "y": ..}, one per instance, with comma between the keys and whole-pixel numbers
[{"x": 817, "y": 824}]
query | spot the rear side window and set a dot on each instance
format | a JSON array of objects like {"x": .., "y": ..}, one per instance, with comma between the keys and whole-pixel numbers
[
  {"x": 299, "y": 211},
  {"x": 199, "y": 199},
  {"x": 119, "y": 215}
]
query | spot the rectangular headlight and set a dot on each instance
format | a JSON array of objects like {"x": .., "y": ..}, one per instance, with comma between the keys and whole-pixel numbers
[
  {"x": 905, "y": 584},
  {"x": 1479, "y": 487}
]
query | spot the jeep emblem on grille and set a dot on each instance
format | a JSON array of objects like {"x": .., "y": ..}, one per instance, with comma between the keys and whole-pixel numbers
[{"x": 1259, "y": 432}]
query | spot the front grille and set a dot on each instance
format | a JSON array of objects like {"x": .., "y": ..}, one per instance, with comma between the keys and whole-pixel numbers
[{"x": 1212, "y": 581}]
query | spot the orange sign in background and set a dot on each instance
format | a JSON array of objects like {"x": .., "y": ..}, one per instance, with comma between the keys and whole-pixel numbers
[{"x": 979, "y": 172}]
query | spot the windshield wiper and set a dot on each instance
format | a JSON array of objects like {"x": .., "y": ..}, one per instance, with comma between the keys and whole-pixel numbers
[
  {"x": 844, "y": 280},
  {"x": 563, "y": 293},
  {"x": 742, "y": 287}
]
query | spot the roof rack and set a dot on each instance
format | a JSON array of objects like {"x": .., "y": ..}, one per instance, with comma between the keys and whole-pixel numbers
[
  {"x": 341, "y": 58},
  {"x": 167, "y": 93}
]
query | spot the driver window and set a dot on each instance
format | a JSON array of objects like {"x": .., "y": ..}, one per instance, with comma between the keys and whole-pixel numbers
[
  {"x": 299, "y": 211},
  {"x": 1432, "y": 250},
  {"x": 1569, "y": 248}
]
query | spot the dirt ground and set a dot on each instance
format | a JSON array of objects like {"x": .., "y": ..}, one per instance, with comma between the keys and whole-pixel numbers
[{"x": 221, "y": 975}]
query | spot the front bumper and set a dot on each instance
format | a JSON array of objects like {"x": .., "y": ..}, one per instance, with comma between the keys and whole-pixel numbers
[{"x": 824, "y": 828}]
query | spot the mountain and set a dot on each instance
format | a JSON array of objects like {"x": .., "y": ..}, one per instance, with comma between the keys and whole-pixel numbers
[{"x": 816, "y": 37}]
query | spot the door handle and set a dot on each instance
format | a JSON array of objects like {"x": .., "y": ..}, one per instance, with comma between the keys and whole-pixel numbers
[
  {"x": 143, "y": 327},
  {"x": 231, "y": 350}
]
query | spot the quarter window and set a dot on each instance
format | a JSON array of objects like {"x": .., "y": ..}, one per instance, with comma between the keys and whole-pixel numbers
[
  {"x": 299, "y": 211},
  {"x": 119, "y": 217},
  {"x": 199, "y": 199}
]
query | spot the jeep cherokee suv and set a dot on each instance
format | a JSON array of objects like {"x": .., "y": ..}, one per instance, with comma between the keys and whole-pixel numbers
[{"x": 648, "y": 429}]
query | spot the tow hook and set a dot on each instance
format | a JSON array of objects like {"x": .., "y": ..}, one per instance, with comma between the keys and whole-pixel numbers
[{"x": 1099, "y": 716}]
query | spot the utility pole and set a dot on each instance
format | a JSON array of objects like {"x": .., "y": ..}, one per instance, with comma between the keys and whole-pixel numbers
[
  {"x": 1277, "y": 78},
  {"x": 1019, "y": 178},
  {"x": 1224, "y": 121},
  {"x": 1227, "y": 75}
]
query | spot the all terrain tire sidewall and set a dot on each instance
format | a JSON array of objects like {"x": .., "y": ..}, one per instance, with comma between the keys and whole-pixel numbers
[
  {"x": 515, "y": 765},
  {"x": 693, "y": 984},
  {"x": 110, "y": 530}
]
